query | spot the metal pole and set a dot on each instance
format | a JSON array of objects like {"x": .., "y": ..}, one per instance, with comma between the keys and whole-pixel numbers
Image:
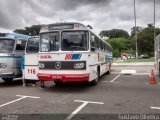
[
  {"x": 135, "y": 28},
  {"x": 154, "y": 31}
]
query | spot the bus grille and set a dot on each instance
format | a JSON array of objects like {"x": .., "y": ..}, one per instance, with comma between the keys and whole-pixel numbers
[{"x": 61, "y": 65}]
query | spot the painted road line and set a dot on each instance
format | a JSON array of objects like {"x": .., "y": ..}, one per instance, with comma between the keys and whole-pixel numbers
[
  {"x": 76, "y": 111},
  {"x": 21, "y": 97},
  {"x": 110, "y": 82},
  {"x": 142, "y": 74},
  {"x": 155, "y": 108},
  {"x": 89, "y": 102},
  {"x": 128, "y": 72},
  {"x": 115, "y": 78},
  {"x": 152, "y": 84},
  {"x": 113, "y": 73},
  {"x": 80, "y": 108},
  {"x": 27, "y": 96}
]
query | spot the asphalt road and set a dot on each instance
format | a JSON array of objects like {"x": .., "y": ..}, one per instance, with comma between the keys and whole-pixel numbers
[{"x": 114, "y": 95}]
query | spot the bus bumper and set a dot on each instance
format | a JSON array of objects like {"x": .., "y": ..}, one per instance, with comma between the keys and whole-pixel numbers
[
  {"x": 64, "y": 77},
  {"x": 7, "y": 74}
]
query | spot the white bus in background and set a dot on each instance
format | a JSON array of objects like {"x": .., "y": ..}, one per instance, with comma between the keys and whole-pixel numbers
[
  {"x": 12, "y": 46},
  {"x": 72, "y": 52},
  {"x": 157, "y": 51},
  {"x": 31, "y": 58}
]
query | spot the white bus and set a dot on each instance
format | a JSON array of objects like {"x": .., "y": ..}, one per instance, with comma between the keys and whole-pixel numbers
[
  {"x": 31, "y": 58},
  {"x": 12, "y": 46},
  {"x": 157, "y": 51},
  {"x": 72, "y": 52}
]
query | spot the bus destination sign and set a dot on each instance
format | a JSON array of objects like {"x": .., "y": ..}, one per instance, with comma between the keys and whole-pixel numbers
[{"x": 58, "y": 27}]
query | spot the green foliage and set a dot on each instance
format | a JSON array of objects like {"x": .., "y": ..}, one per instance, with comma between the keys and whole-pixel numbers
[
  {"x": 32, "y": 30},
  {"x": 119, "y": 45},
  {"x": 114, "y": 33},
  {"x": 134, "y": 29},
  {"x": 122, "y": 42},
  {"x": 145, "y": 39},
  {"x": 116, "y": 53}
]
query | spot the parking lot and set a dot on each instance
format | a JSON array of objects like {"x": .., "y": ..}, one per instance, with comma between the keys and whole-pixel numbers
[{"x": 115, "y": 94}]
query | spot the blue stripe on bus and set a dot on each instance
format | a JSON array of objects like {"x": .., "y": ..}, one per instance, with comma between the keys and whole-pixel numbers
[
  {"x": 76, "y": 56},
  {"x": 80, "y": 56},
  {"x": 10, "y": 56}
]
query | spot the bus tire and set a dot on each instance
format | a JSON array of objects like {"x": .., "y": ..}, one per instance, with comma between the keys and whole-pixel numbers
[
  {"x": 7, "y": 79},
  {"x": 58, "y": 83},
  {"x": 108, "y": 72},
  {"x": 95, "y": 81}
]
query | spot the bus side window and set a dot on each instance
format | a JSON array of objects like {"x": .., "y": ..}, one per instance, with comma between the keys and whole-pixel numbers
[
  {"x": 101, "y": 45},
  {"x": 97, "y": 44},
  {"x": 92, "y": 40},
  {"x": 159, "y": 45},
  {"x": 105, "y": 47},
  {"x": 20, "y": 45}
]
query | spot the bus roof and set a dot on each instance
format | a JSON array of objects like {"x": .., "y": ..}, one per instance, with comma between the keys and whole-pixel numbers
[
  {"x": 62, "y": 26},
  {"x": 14, "y": 36},
  {"x": 33, "y": 36}
]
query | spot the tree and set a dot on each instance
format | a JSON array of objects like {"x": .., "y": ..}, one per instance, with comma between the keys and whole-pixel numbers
[
  {"x": 32, "y": 30},
  {"x": 145, "y": 39},
  {"x": 119, "y": 45},
  {"x": 133, "y": 29},
  {"x": 114, "y": 33}
]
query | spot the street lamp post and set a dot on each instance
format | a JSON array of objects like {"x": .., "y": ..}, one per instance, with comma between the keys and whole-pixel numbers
[
  {"x": 135, "y": 28},
  {"x": 154, "y": 30}
]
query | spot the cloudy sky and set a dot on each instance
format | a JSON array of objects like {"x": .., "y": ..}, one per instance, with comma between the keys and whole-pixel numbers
[{"x": 100, "y": 14}]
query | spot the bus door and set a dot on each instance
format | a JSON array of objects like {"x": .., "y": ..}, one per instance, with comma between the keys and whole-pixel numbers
[
  {"x": 31, "y": 58},
  {"x": 19, "y": 52}
]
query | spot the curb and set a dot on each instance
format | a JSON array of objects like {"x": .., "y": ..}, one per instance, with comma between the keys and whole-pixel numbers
[{"x": 144, "y": 63}]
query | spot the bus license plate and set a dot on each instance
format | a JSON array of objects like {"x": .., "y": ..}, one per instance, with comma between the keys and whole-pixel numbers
[{"x": 57, "y": 77}]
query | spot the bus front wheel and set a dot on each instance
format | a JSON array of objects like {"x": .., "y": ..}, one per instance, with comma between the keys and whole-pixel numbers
[
  {"x": 95, "y": 81},
  {"x": 108, "y": 72},
  {"x": 7, "y": 79},
  {"x": 59, "y": 83}
]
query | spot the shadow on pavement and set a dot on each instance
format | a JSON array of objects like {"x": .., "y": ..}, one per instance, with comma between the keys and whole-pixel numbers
[
  {"x": 73, "y": 87},
  {"x": 14, "y": 83}
]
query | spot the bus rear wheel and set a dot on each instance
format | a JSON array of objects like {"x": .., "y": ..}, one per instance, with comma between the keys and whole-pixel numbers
[{"x": 7, "y": 79}]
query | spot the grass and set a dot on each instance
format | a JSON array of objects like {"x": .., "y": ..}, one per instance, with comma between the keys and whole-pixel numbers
[{"x": 132, "y": 60}]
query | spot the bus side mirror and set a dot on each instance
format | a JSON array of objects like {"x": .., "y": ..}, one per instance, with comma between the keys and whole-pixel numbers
[{"x": 93, "y": 49}]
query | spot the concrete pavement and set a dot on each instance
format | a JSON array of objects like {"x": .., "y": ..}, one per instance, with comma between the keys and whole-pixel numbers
[{"x": 115, "y": 95}]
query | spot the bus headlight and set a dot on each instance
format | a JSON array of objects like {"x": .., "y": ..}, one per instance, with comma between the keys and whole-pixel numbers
[
  {"x": 3, "y": 65},
  {"x": 41, "y": 65},
  {"x": 79, "y": 65}
]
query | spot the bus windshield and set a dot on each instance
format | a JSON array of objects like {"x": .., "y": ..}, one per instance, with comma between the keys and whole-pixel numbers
[
  {"x": 6, "y": 45},
  {"x": 49, "y": 42},
  {"x": 32, "y": 45},
  {"x": 74, "y": 41}
]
